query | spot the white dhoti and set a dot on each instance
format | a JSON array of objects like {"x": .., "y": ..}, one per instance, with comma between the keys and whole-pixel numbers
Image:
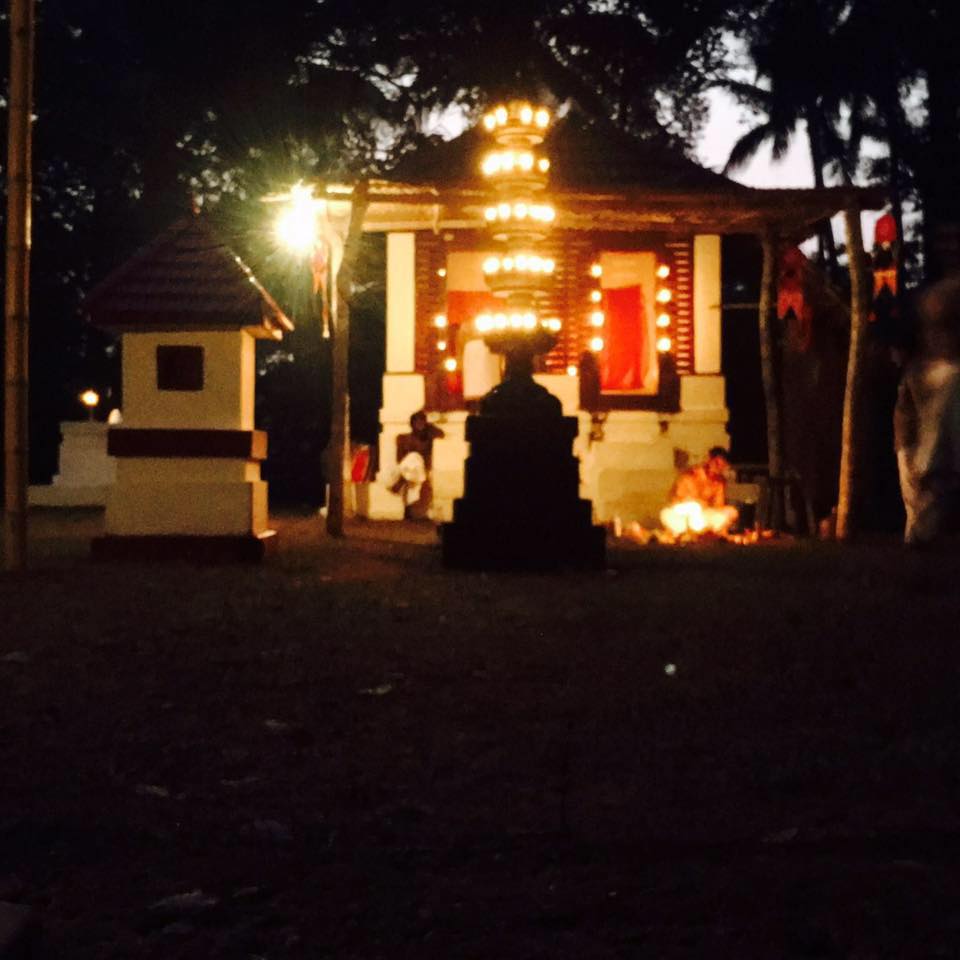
[{"x": 408, "y": 476}]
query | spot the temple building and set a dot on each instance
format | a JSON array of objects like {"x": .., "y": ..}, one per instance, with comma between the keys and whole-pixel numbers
[{"x": 634, "y": 252}]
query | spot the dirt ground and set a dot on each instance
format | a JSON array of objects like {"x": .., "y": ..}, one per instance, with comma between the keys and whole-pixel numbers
[{"x": 352, "y": 753}]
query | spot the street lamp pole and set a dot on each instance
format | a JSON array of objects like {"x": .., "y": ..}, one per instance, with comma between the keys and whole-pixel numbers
[{"x": 307, "y": 223}]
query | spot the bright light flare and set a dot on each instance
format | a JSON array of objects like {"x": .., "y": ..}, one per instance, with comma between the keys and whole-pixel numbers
[
  {"x": 296, "y": 226},
  {"x": 90, "y": 398}
]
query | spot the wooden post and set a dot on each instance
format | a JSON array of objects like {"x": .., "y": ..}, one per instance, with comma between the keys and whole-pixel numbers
[
  {"x": 17, "y": 298},
  {"x": 769, "y": 369},
  {"x": 340, "y": 400},
  {"x": 848, "y": 497}
]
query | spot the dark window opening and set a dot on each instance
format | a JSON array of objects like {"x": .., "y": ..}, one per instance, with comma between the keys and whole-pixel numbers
[{"x": 179, "y": 368}]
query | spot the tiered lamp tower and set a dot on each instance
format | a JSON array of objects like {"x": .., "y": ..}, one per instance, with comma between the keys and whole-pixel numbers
[{"x": 521, "y": 506}]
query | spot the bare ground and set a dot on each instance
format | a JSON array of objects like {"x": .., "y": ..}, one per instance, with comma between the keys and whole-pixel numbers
[{"x": 352, "y": 753}]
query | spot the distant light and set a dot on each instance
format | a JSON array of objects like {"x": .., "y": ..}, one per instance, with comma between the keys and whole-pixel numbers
[
  {"x": 663, "y": 320},
  {"x": 595, "y": 296},
  {"x": 664, "y": 296},
  {"x": 542, "y": 118},
  {"x": 442, "y": 272},
  {"x": 489, "y": 121},
  {"x": 572, "y": 370},
  {"x": 526, "y": 114},
  {"x": 597, "y": 318},
  {"x": 670, "y": 669},
  {"x": 664, "y": 344},
  {"x": 90, "y": 398},
  {"x": 441, "y": 344},
  {"x": 663, "y": 271},
  {"x": 450, "y": 364},
  {"x": 440, "y": 321},
  {"x": 596, "y": 270},
  {"x": 501, "y": 115},
  {"x": 596, "y": 344}
]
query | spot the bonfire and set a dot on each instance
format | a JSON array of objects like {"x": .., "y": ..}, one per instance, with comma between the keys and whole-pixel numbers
[{"x": 688, "y": 522}]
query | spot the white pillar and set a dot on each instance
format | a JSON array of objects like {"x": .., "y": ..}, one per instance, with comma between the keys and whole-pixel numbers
[
  {"x": 401, "y": 302},
  {"x": 706, "y": 303}
]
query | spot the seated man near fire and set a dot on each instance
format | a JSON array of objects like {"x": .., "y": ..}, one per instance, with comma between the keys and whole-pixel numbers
[
  {"x": 411, "y": 476},
  {"x": 698, "y": 498}
]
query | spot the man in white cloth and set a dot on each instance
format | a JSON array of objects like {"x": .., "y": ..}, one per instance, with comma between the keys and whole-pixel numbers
[
  {"x": 411, "y": 476},
  {"x": 927, "y": 417}
]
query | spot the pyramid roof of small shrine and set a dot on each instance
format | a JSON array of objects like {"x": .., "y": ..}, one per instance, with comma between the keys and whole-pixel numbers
[{"x": 186, "y": 279}]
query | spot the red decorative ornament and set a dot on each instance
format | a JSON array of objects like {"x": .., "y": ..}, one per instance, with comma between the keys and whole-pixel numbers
[
  {"x": 791, "y": 295},
  {"x": 885, "y": 231}
]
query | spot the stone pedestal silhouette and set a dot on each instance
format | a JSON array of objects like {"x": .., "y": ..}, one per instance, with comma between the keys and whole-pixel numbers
[{"x": 521, "y": 507}]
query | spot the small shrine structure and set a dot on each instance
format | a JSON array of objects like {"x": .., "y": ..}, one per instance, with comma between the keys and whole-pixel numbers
[{"x": 188, "y": 312}]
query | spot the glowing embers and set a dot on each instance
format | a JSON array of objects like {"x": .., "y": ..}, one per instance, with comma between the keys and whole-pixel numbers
[
  {"x": 520, "y": 212},
  {"x": 511, "y": 162},
  {"x": 515, "y": 320}
]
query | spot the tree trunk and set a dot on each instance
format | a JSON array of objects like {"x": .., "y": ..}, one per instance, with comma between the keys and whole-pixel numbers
[
  {"x": 851, "y": 482},
  {"x": 769, "y": 369},
  {"x": 17, "y": 299},
  {"x": 340, "y": 400},
  {"x": 826, "y": 248}
]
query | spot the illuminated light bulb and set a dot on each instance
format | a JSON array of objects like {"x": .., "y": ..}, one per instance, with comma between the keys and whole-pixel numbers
[
  {"x": 526, "y": 162},
  {"x": 595, "y": 296},
  {"x": 489, "y": 121},
  {"x": 296, "y": 227},
  {"x": 520, "y": 211},
  {"x": 508, "y": 263},
  {"x": 490, "y": 213},
  {"x": 441, "y": 344},
  {"x": 572, "y": 370},
  {"x": 508, "y": 161},
  {"x": 549, "y": 265},
  {"x": 664, "y": 344},
  {"x": 596, "y": 344},
  {"x": 522, "y": 262},
  {"x": 491, "y": 164},
  {"x": 440, "y": 321},
  {"x": 664, "y": 296},
  {"x": 491, "y": 265},
  {"x": 596, "y": 270},
  {"x": 500, "y": 321},
  {"x": 542, "y": 118},
  {"x": 535, "y": 264},
  {"x": 515, "y": 320},
  {"x": 663, "y": 271},
  {"x": 500, "y": 115},
  {"x": 483, "y": 322},
  {"x": 450, "y": 364},
  {"x": 597, "y": 318},
  {"x": 503, "y": 210},
  {"x": 442, "y": 272},
  {"x": 526, "y": 114},
  {"x": 553, "y": 324},
  {"x": 543, "y": 164},
  {"x": 90, "y": 398},
  {"x": 663, "y": 320},
  {"x": 529, "y": 321}
]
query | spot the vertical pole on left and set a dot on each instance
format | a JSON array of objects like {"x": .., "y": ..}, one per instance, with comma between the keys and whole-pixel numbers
[{"x": 17, "y": 299}]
